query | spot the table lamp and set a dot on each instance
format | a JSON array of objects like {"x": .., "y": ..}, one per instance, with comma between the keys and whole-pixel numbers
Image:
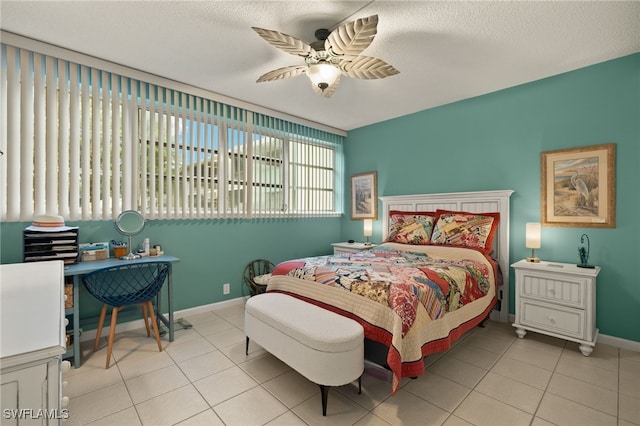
[
  {"x": 532, "y": 240},
  {"x": 368, "y": 230}
]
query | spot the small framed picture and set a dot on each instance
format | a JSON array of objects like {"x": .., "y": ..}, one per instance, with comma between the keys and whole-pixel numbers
[
  {"x": 364, "y": 196},
  {"x": 579, "y": 187}
]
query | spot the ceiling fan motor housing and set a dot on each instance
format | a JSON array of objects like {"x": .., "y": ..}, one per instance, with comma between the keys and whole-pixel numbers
[{"x": 321, "y": 34}]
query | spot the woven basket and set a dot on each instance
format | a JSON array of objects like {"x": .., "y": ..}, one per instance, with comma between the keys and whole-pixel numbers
[{"x": 68, "y": 291}]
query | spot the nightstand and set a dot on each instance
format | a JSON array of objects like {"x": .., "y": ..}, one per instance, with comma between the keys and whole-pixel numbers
[
  {"x": 557, "y": 299},
  {"x": 350, "y": 247}
]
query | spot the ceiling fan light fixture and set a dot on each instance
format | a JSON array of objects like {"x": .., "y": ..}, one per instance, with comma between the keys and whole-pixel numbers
[{"x": 323, "y": 75}]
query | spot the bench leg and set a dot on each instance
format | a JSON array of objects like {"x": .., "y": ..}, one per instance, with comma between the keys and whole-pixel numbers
[
  {"x": 246, "y": 346},
  {"x": 324, "y": 392}
]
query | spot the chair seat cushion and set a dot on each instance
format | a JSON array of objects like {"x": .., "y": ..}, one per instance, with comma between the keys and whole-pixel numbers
[
  {"x": 311, "y": 325},
  {"x": 262, "y": 279}
]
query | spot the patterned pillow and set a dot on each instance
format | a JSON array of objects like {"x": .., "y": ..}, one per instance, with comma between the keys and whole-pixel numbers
[
  {"x": 463, "y": 229},
  {"x": 410, "y": 227}
]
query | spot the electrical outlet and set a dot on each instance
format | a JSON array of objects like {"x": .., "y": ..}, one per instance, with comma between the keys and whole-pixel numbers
[{"x": 226, "y": 288}]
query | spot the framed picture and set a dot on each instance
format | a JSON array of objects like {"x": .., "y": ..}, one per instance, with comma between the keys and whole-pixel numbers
[
  {"x": 364, "y": 196},
  {"x": 579, "y": 187}
]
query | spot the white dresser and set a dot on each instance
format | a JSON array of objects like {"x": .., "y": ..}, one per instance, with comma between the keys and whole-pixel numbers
[
  {"x": 32, "y": 341},
  {"x": 557, "y": 299}
]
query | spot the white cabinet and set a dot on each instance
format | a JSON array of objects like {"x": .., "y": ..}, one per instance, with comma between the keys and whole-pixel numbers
[
  {"x": 347, "y": 247},
  {"x": 557, "y": 299},
  {"x": 31, "y": 388},
  {"x": 32, "y": 341}
]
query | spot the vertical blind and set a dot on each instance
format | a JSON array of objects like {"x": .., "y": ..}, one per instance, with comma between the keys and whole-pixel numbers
[{"x": 87, "y": 144}]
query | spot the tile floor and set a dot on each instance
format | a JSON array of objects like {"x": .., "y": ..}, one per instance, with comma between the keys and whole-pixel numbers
[{"x": 489, "y": 378}]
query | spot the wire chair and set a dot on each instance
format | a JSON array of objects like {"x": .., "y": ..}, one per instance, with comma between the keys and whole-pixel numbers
[
  {"x": 125, "y": 285},
  {"x": 252, "y": 270}
]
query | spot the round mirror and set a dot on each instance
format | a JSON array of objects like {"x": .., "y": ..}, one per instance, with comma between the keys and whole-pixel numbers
[{"x": 130, "y": 222}]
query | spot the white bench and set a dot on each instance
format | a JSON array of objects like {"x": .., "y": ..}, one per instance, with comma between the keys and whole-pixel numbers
[{"x": 326, "y": 348}]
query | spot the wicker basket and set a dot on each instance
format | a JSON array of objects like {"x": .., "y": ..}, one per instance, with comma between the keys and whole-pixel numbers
[{"x": 68, "y": 291}]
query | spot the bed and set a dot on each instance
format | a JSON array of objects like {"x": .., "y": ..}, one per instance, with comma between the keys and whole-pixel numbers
[{"x": 437, "y": 276}]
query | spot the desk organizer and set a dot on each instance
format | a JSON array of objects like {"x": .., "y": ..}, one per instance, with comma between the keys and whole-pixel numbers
[{"x": 51, "y": 245}]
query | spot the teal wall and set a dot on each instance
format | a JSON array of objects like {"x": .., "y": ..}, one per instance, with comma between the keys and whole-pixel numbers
[
  {"x": 494, "y": 142},
  {"x": 212, "y": 252},
  {"x": 489, "y": 142}
]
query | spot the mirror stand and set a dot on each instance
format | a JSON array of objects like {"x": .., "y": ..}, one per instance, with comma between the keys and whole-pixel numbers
[{"x": 131, "y": 255}]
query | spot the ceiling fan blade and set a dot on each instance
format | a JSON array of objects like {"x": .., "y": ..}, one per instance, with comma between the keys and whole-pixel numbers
[
  {"x": 366, "y": 67},
  {"x": 329, "y": 91},
  {"x": 282, "y": 73},
  {"x": 285, "y": 42},
  {"x": 352, "y": 37}
]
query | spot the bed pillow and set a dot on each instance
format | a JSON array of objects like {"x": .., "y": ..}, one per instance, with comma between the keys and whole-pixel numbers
[
  {"x": 410, "y": 227},
  {"x": 285, "y": 267},
  {"x": 464, "y": 229}
]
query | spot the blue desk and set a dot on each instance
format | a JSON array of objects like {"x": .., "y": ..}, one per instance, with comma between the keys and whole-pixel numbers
[{"x": 81, "y": 268}]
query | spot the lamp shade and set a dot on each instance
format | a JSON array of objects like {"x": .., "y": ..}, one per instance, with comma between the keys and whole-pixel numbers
[
  {"x": 532, "y": 236},
  {"x": 323, "y": 75},
  {"x": 368, "y": 227}
]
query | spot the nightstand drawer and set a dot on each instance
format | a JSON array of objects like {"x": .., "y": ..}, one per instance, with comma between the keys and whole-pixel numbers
[
  {"x": 554, "y": 288},
  {"x": 562, "y": 320},
  {"x": 340, "y": 248}
]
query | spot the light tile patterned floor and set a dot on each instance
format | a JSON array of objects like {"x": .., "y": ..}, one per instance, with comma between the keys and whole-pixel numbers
[{"x": 489, "y": 378}]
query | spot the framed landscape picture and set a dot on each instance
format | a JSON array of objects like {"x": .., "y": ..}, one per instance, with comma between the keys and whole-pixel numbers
[
  {"x": 364, "y": 196},
  {"x": 579, "y": 187}
]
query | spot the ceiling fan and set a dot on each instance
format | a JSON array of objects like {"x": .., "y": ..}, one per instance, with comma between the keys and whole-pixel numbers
[{"x": 334, "y": 53}]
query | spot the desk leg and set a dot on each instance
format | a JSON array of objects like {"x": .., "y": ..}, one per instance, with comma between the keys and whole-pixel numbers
[
  {"x": 76, "y": 321},
  {"x": 170, "y": 302},
  {"x": 159, "y": 315}
]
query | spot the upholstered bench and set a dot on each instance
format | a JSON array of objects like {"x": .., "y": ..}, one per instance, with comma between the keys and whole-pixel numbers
[{"x": 326, "y": 348}]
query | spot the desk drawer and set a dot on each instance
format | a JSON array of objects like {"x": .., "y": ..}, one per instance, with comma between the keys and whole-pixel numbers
[{"x": 559, "y": 319}]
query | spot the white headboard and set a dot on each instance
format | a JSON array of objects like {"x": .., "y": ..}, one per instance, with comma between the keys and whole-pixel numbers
[{"x": 474, "y": 202}]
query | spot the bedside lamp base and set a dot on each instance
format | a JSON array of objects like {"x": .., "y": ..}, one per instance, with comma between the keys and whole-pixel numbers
[{"x": 533, "y": 259}]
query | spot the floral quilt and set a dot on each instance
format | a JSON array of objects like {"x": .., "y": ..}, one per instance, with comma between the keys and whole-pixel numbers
[{"x": 413, "y": 299}]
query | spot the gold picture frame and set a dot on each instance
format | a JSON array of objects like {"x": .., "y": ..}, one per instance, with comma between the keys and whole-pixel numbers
[
  {"x": 364, "y": 196},
  {"x": 579, "y": 187}
]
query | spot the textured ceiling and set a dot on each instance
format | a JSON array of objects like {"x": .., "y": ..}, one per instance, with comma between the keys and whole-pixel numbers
[{"x": 445, "y": 51}]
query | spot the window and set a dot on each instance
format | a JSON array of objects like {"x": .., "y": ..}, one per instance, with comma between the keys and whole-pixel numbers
[
  {"x": 311, "y": 171},
  {"x": 87, "y": 144},
  {"x": 268, "y": 175}
]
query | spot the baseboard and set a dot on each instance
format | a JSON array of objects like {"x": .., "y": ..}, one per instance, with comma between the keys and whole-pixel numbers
[
  {"x": 606, "y": 339},
  {"x": 133, "y": 325},
  {"x": 618, "y": 342}
]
